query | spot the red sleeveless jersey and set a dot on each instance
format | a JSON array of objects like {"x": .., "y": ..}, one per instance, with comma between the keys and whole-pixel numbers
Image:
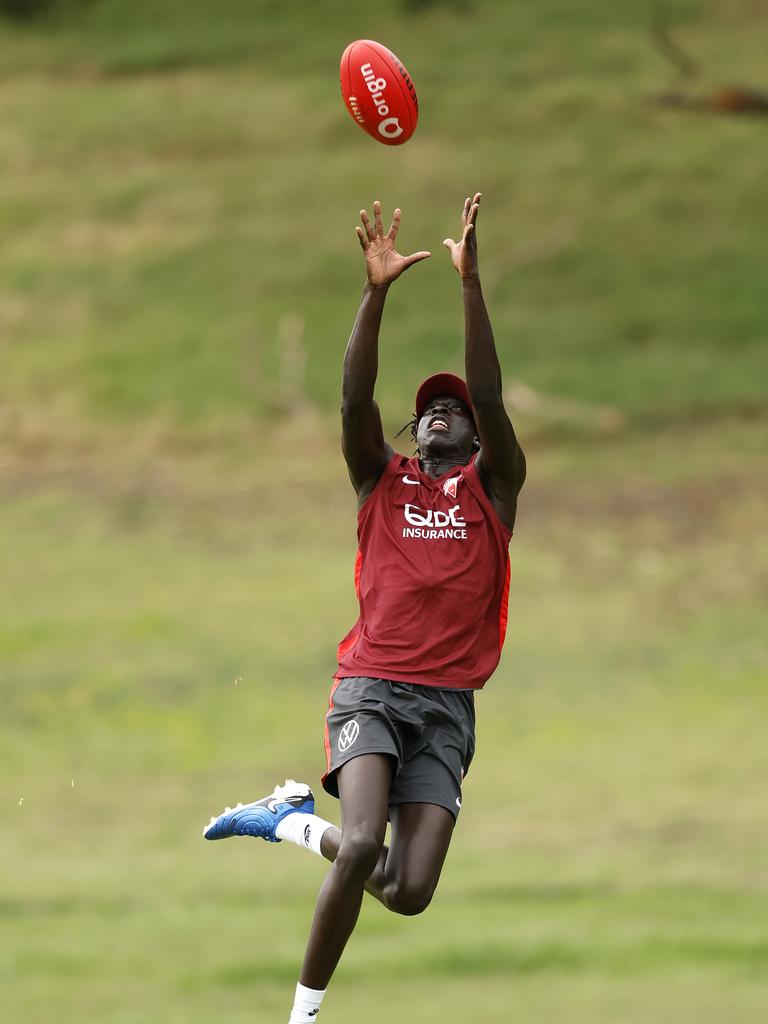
[{"x": 432, "y": 579}]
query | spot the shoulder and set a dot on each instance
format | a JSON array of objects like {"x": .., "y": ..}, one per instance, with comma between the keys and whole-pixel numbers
[
  {"x": 503, "y": 507},
  {"x": 393, "y": 464}
]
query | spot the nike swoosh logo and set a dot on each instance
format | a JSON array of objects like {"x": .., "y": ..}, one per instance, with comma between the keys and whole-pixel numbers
[
  {"x": 407, "y": 481},
  {"x": 458, "y": 802}
]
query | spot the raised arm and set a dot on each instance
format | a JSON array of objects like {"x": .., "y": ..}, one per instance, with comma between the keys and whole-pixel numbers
[
  {"x": 365, "y": 450},
  {"x": 500, "y": 463}
]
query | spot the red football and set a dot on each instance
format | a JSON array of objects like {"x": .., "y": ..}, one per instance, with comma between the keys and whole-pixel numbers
[{"x": 378, "y": 92}]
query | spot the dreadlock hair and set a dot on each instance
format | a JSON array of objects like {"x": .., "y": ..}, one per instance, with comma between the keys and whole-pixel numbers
[{"x": 413, "y": 425}]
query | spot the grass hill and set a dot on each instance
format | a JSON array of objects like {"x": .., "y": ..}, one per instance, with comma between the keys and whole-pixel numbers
[{"x": 177, "y": 183}]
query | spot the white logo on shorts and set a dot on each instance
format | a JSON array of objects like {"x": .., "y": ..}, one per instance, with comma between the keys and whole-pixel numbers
[{"x": 348, "y": 735}]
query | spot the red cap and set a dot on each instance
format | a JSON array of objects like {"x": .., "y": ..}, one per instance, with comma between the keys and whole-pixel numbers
[{"x": 442, "y": 384}]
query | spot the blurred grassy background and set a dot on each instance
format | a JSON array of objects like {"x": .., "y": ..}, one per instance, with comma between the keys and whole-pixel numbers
[{"x": 178, "y": 275}]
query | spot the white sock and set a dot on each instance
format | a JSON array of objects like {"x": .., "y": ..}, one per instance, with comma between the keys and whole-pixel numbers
[
  {"x": 305, "y": 830},
  {"x": 306, "y": 1003}
]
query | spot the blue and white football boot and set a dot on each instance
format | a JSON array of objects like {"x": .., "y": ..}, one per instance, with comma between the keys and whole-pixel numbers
[{"x": 261, "y": 818}]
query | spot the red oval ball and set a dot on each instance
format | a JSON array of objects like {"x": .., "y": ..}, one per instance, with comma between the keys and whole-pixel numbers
[{"x": 378, "y": 92}]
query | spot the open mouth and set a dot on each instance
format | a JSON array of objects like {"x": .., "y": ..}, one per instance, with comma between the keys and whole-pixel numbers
[{"x": 438, "y": 423}]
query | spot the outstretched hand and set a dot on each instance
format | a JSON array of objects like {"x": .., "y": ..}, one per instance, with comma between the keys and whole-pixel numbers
[
  {"x": 383, "y": 263},
  {"x": 464, "y": 252}
]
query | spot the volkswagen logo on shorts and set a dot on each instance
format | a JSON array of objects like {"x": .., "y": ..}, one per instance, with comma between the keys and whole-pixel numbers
[{"x": 348, "y": 735}]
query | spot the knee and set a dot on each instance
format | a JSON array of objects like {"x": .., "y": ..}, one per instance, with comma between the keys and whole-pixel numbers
[
  {"x": 358, "y": 854},
  {"x": 408, "y": 898}
]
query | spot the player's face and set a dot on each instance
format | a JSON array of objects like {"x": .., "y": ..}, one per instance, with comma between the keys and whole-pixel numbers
[{"x": 446, "y": 428}]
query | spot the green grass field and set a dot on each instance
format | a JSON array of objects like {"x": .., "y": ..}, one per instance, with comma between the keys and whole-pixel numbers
[{"x": 178, "y": 275}]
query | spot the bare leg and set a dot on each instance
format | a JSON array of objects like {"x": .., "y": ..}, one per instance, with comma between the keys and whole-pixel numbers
[
  {"x": 364, "y": 784},
  {"x": 406, "y": 874},
  {"x": 421, "y": 835}
]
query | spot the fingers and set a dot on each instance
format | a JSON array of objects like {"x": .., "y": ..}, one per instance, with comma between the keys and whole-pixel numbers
[
  {"x": 367, "y": 225},
  {"x": 377, "y": 219},
  {"x": 471, "y": 206},
  {"x": 449, "y": 243},
  {"x": 364, "y": 242},
  {"x": 465, "y": 211},
  {"x": 395, "y": 225}
]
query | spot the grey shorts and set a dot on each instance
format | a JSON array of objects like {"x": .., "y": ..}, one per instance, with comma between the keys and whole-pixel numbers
[{"x": 429, "y": 732}]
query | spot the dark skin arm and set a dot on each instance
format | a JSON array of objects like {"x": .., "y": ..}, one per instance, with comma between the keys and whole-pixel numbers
[
  {"x": 365, "y": 450},
  {"x": 500, "y": 463}
]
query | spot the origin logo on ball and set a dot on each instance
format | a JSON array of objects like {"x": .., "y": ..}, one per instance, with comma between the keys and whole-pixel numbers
[{"x": 378, "y": 92}]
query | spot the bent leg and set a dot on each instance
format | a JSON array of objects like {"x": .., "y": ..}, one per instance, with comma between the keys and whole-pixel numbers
[
  {"x": 364, "y": 784},
  {"x": 421, "y": 835},
  {"x": 407, "y": 873}
]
